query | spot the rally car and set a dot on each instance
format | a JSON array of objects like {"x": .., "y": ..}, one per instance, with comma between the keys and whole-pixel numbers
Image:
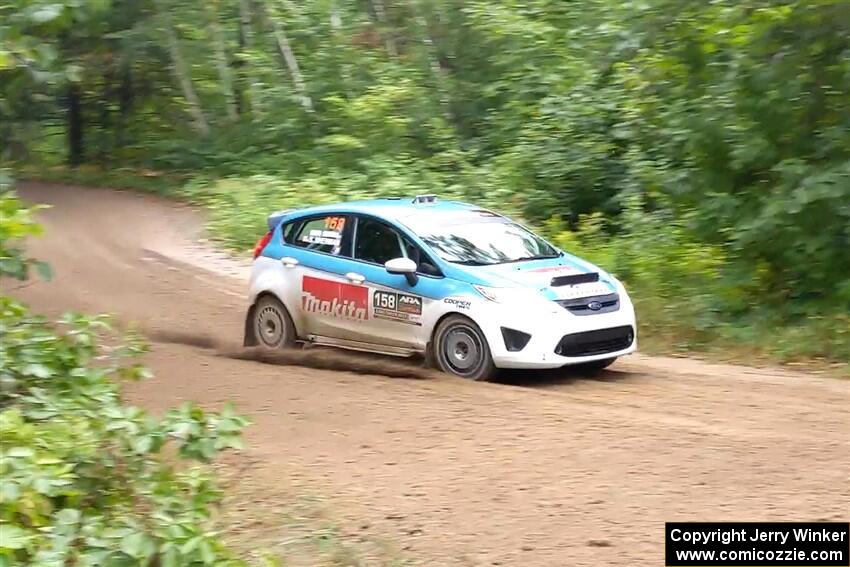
[{"x": 469, "y": 289}]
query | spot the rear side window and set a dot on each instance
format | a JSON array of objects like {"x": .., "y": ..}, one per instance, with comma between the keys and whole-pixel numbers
[
  {"x": 326, "y": 234},
  {"x": 289, "y": 231}
]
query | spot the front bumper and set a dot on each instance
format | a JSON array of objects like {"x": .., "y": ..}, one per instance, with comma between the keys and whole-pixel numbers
[{"x": 559, "y": 338}]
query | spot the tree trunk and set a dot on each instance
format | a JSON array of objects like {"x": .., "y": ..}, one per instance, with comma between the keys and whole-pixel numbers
[
  {"x": 184, "y": 79},
  {"x": 125, "y": 102},
  {"x": 238, "y": 66},
  {"x": 76, "y": 150},
  {"x": 105, "y": 127},
  {"x": 220, "y": 54},
  {"x": 288, "y": 55},
  {"x": 336, "y": 28},
  {"x": 246, "y": 44},
  {"x": 437, "y": 70},
  {"x": 381, "y": 13}
]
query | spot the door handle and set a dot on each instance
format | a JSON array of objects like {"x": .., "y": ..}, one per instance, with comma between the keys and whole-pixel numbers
[
  {"x": 355, "y": 278},
  {"x": 289, "y": 262}
]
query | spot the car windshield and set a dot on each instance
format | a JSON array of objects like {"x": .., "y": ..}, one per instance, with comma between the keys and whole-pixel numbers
[{"x": 483, "y": 242}]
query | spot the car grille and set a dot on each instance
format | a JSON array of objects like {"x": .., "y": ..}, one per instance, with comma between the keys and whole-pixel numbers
[
  {"x": 601, "y": 341},
  {"x": 582, "y": 306}
]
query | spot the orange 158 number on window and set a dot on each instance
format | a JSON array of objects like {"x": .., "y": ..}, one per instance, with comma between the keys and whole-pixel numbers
[{"x": 335, "y": 223}]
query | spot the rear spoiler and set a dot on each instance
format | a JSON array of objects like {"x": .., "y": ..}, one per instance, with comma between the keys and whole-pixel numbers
[{"x": 275, "y": 218}]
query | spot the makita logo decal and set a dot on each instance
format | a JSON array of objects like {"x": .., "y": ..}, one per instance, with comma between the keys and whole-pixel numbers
[{"x": 335, "y": 299}]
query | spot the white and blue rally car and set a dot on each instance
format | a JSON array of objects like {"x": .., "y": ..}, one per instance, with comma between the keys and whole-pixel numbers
[{"x": 470, "y": 289}]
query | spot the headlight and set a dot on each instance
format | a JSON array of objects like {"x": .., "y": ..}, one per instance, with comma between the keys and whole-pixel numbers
[
  {"x": 490, "y": 293},
  {"x": 508, "y": 294},
  {"x": 621, "y": 289},
  {"x": 625, "y": 300}
]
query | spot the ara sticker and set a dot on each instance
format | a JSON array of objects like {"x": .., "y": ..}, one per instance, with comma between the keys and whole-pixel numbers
[
  {"x": 335, "y": 299},
  {"x": 399, "y": 307}
]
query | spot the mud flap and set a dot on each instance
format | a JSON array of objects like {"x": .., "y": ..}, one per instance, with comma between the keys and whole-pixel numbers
[
  {"x": 429, "y": 359},
  {"x": 250, "y": 337}
]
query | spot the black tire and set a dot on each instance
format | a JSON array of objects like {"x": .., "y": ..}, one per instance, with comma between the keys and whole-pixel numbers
[
  {"x": 272, "y": 325},
  {"x": 460, "y": 348},
  {"x": 595, "y": 366}
]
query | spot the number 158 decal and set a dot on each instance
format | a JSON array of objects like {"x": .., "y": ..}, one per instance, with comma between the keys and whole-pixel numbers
[{"x": 399, "y": 307}]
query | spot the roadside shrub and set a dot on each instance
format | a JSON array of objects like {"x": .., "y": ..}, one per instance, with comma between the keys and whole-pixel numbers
[
  {"x": 239, "y": 206},
  {"x": 16, "y": 223},
  {"x": 675, "y": 281},
  {"x": 690, "y": 295},
  {"x": 84, "y": 478}
]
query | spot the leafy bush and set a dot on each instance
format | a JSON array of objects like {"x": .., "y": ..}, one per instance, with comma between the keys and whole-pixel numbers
[
  {"x": 691, "y": 296},
  {"x": 239, "y": 206},
  {"x": 675, "y": 281},
  {"x": 84, "y": 478},
  {"x": 730, "y": 116},
  {"x": 16, "y": 223}
]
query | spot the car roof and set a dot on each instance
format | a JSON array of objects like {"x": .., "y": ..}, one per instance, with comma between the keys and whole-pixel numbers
[{"x": 394, "y": 208}]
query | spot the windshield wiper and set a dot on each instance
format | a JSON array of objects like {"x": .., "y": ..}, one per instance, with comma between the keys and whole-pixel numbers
[
  {"x": 540, "y": 257},
  {"x": 470, "y": 262}
]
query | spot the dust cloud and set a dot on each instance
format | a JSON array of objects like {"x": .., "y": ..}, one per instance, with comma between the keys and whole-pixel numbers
[{"x": 309, "y": 357}]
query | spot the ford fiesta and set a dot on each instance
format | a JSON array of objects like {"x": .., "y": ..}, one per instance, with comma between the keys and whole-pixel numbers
[{"x": 470, "y": 289}]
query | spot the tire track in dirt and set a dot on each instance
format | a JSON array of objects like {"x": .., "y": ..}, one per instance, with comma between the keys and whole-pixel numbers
[{"x": 545, "y": 469}]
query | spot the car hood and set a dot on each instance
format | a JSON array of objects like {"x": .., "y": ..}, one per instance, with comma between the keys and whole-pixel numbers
[{"x": 537, "y": 275}]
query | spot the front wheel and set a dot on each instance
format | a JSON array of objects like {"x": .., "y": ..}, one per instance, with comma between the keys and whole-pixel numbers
[
  {"x": 273, "y": 327},
  {"x": 461, "y": 349}
]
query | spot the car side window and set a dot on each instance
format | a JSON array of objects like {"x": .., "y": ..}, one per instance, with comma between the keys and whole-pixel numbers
[
  {"x": 324, "y": 234},
  {"x": 288, "y": 231},
  {"x": 376, "y": 242},
  {"x": 424, "y": 264}
]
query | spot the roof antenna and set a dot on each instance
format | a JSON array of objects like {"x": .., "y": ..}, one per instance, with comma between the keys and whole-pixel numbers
[{"x": 424, "y": 199}]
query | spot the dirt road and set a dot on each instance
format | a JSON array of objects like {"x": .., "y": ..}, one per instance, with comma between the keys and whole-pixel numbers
[{"x": 546, "y": 470}]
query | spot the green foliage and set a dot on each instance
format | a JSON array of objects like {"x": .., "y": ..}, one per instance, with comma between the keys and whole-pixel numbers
[
  {"x": 675, "y": 281},
  {"x": 727, "y": 120},
  {"x": 84, "y": 478},
  {"x": 688, "y": 295},
  {"x": 17, "y": 224},
  {"x": 239, "y": 206}
]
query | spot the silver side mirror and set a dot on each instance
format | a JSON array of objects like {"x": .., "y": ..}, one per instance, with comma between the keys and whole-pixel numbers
[{"x": 403, "y": 266}]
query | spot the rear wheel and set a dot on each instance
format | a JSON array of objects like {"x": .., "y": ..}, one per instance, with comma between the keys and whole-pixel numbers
[
  {"x": 459, "y": 348},
  {"x": 273, "y": 327}
]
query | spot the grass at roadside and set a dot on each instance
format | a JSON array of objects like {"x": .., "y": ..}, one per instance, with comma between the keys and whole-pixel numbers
[
  {"x": 266, "y": 524},
  {"x": 166, "y": 184},
  {"x": 688, "y": 300}
]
